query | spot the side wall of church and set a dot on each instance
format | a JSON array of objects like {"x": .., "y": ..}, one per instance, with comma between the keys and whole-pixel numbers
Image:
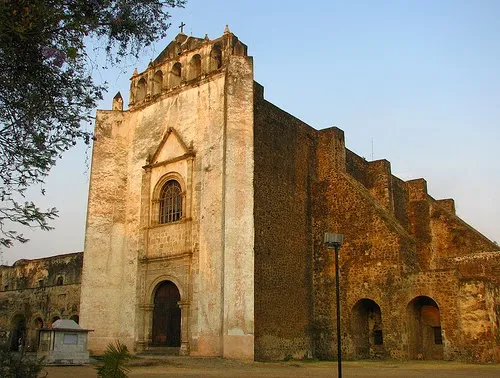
[
  {"x": 373, "y": 252},
  {"x": 110, "y": 266},
  {"x": 284, "y": 167},
  {"x": 401, "y": 246},
  {"x": 37, "y": 292}
]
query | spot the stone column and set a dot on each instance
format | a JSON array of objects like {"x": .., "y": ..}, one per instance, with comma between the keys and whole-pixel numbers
[
  {"x": 147, "y": 336},
  {"x": 184, "y": 306}
]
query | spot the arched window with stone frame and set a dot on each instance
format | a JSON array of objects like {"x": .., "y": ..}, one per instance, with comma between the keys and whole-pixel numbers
[{"x": 170, "y": 202}]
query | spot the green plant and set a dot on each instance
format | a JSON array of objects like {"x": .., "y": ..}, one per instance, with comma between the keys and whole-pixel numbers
[
  {"x": 114, "y": 359},
  {"x": 18, "y": 364}
]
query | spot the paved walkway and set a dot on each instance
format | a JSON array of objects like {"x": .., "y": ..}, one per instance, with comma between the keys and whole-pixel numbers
[{"x": 218, "y": 367}]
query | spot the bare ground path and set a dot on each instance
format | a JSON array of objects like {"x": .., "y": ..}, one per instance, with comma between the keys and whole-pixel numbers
[{"x": 218, "y": 367}]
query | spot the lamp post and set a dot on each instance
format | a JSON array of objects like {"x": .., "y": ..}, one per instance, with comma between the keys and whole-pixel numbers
[{"x": 335, "y": 241}]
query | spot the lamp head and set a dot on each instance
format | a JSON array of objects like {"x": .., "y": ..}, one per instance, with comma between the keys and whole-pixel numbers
[{"x": 333, "y": 240}]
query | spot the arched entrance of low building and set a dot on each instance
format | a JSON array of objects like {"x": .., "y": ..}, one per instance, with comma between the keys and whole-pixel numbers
[
  {"x": 366, "y": 328},
  {"x": 18, "y": 335},
  {"x": 37, "y": 324},
  {"x": 424, "y": 329},
  {"x": 166, "y": 316}
]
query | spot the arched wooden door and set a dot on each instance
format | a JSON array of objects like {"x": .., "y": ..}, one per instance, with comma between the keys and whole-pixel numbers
[{"x": 167, "y": 316}]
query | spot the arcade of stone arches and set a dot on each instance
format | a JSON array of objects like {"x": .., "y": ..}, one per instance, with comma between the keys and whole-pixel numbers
[
  {"x": 425, "y": 339},
  {"x": 423, "y": 323},
  {"x": 25, "y": 334}
]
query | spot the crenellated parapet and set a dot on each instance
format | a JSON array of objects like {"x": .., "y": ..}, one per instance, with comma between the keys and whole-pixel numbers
[{"x": 185, "y": 61}]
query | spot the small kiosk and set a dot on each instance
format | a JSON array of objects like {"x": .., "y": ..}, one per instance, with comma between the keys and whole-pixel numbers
[{"x": 63, "y": 344}]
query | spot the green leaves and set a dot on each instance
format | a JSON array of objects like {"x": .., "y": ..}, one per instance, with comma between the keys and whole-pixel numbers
[
  {"x": 46, "y": 88},
  {"x": 114, "y": 359},
  {"x": 18, "y": 365}
]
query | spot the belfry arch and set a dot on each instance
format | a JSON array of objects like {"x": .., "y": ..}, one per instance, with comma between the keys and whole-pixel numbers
[
  {"x": 166, "y": 325},
  {"x": 176, "y": 75},
  {"x": 157, "y": 83},
  {"x": 366, "y": 328},
  {"x": 195, "y": 67},
  {"x": 215, "y": 58},
  {"x": 140, "y": 93},
  {"x": 424, "y": 329}
]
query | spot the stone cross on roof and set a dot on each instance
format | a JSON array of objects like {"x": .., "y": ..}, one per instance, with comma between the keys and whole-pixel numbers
[{"x": 181, "y": 26}]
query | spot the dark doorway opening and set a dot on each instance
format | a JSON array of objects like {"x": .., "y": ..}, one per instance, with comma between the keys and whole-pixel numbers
[
  {"x": 366, "y": 327},
  {"x": 424, "y": 329},
  {"x": 18, "y": 332},
  {"x": 167, "y": 316}
]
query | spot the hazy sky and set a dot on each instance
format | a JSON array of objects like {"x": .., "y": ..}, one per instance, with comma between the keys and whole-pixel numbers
[{"x": 421, "y": 79}]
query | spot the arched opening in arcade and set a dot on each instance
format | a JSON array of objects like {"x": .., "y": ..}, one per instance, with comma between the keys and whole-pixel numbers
[
  {"x": 140, "y": 92},
  {"x": 157, "y": 83},
  {"x": 18, "y": 332},
  {"x": 366, "y": 328},
  {"x": 424, "y": 329},
  {"x": 176, "y": 75},
  {"x": 166, "y": 316},
  {"x": 195, "y": 67},
  {"x": 215, "y": 58}
]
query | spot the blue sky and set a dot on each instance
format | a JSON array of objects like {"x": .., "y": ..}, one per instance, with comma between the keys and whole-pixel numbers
[{"x": 420, "y": 80}]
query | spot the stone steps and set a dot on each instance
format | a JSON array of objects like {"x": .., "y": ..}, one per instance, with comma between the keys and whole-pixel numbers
[{"x": 160, "y": 351}]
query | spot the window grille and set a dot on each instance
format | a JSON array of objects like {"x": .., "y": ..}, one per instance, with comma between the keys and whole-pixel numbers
[
  {"x": 170, "y": 202},
  {"x": 438, "y": 338},
  {"x": 377, "y": 337}
]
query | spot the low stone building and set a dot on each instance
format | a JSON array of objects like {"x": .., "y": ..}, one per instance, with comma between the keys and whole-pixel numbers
[
  {"x": 64, "y": 343},
  {"x": 36, "y": 293}
]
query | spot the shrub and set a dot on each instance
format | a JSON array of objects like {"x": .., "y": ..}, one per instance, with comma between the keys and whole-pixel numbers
[
  {"x": 18, "y": 364},
  {"x": 114, "y": 359}
]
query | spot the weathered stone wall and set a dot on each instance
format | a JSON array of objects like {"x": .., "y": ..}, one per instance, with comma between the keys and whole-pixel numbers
[
  {"x": 400, "y": 252},
  {"x": 375, "y": 243},
  {"x": 259, "y": 189},
  {"x": 37, "y": 292},
  {"x": 284, "y": 166},
  {"x": 198, "y": 131}
]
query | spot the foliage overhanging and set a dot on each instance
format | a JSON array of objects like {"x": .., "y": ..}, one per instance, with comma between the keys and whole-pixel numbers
[{"x": 46, "y": 88}]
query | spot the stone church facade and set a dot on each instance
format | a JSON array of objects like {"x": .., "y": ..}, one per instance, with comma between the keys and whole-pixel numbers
[{"x": 206, "y": 215}]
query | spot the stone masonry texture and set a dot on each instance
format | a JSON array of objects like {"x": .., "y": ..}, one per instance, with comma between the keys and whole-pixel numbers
[{"x": 258, "y": 188}]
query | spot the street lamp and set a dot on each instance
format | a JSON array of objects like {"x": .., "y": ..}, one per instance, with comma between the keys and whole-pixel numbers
[{"x": 335, "y": 241}]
